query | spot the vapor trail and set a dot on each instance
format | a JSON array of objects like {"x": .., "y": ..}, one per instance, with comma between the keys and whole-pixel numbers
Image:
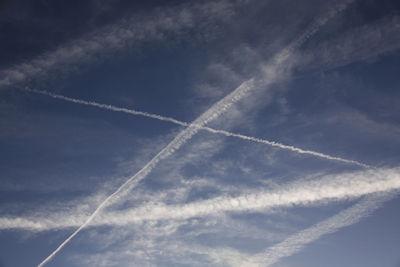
[
  {"x": 339, "y": 187},
  {"x": 182, "y": 123},
  {"x": 105, "y": 106},
  {"x": 287, "y": 147},
  {"x": 271, "y": 73},
  {"x": 298, "y": 241},
  {"x": 125, "y": 33}
]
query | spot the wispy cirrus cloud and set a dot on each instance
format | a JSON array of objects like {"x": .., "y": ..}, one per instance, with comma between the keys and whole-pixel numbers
[
  {"x": 340, "y": 187},
  {"x": 356, "y": 44},
  {"x": 174, "y": 222},
  {"x": 301, "y": 239},
  {"x": 122, "y": 34}
]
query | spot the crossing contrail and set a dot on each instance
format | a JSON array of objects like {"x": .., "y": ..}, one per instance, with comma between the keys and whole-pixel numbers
[
  {"x": 175, "y": 144},
  {"x": 185, "y": 124},
  {"x": 272, "y": 71}
]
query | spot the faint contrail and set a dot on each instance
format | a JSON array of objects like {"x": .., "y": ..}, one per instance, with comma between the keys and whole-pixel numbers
[
  {"x": 125, "y": 33},
  {"x": 182, "y": 123},
  {"x": 298, "y": 241},
  {"x": 337, "y": 187},
  {"x": 271, "y": 73}
]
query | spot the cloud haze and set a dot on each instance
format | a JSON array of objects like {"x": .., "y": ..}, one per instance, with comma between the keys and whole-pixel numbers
[{"x": 309, "y": 86}]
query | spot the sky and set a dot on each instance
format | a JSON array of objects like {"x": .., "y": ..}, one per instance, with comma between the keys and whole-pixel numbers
[{"x": 199, "y": 133}]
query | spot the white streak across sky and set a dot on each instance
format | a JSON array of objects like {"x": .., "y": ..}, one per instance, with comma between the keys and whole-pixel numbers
[
  {"x": 330, "y": 188},
  {"x": 123, "y": 34},
  {"x": 298, "y": 241},
  {"x": 186, "y": 124},
  {"x": 272, "y": 72}
]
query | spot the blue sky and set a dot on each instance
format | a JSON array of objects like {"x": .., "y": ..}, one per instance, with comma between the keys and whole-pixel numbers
[{"x": 210, "y": 133}]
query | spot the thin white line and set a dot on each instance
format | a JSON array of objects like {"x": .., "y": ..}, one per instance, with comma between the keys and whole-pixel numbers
[{"x": 182, "y": 123}]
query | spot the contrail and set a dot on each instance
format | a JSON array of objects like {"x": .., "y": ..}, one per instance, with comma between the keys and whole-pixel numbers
[
  {"x": 299, "y": 193},
  {"x": 339, "y": 187},
  {"x": 105, "y": 106},
  {"x": 125, "y": 33},
  {"x": 205, "y": 128},
  {"x": 175, "y": 144},
  {"x": 271, "y": 73},
  {"x": 298, "y": 241},
  {"x": 287, "y": 147}
]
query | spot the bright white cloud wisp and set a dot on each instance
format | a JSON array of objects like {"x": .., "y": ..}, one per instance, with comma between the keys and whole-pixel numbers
[{"x": 339, "y": 187}]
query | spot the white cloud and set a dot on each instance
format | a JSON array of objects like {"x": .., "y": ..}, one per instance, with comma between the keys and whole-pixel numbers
[
  {"x": 338, "y": 187},
  {"x": 298, "y": 241},
  {"x": 357, "y": 44},
  {"x": 121, "y": 35}
]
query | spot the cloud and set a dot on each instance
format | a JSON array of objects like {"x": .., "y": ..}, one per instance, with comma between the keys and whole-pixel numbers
[
  {"x": 271, "y": 71},
  {"x": 356, "y": 44},
  {"x": 121, "y": 35},
  {"x": 152, "y": 207},
  {"x": 339, "y": 187},
  {"x": 298, "y": 241}
]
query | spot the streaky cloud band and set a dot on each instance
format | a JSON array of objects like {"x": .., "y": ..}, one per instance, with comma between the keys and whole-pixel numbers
[
  {"x": 330, "y": 188},
  {"x": 295, "y": 243},
  {"x": 121, "y": 35}
]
